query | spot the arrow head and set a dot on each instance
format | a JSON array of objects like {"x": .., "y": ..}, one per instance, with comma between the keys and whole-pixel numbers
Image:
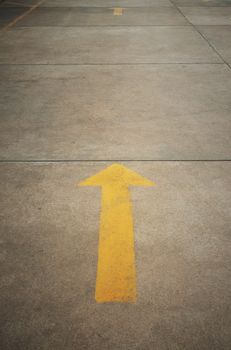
[{"x": 117, "y": 174}]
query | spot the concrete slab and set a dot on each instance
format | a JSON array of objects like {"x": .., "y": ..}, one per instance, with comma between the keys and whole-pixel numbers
[
  {"x": 206, "y": 3},
  {"x": 79, "y": 16},
  {"x": 18, "y": 3},
  {"x": 208, "y": 15},
  {"x": 49, "y": 242},
  {"x": 7, "y": 15},
  {"x": 115, "y": 112},
  {"x": 105, "y": 45},
  {"x": 219, "y": 37},
  {"x": 93, "y": 3}
]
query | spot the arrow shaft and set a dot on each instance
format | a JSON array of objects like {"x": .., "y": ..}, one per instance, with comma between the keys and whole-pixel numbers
[
  {"x": 118, "y": 11},
  {"x": 116, "y": 276}
]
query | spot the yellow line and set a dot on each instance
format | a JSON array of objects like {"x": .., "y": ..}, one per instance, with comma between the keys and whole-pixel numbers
[
  {"x": 118, "y": 11},
  {"x": 19, "y": 18},
  {"x": 116, "y": 273}
]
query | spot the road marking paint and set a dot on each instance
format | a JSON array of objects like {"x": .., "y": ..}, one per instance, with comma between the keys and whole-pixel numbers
[
  {"x": 19, "y": 18},
  {"x": 116, "y": 272},
  {"x": 118, "y": 11}
]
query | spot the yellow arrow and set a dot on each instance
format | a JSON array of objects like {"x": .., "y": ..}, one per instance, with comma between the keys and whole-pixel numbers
[{"x": 116, "y": 274}]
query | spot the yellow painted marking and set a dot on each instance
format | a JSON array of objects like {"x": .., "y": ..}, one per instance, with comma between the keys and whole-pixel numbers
[
  {"x": 19, "y": 18},
  {"x": 117, "y": 11},
  {"x": 116, "y": 273}
]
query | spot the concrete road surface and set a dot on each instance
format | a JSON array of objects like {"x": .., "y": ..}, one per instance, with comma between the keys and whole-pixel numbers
[{"x": 115, "y": 169}]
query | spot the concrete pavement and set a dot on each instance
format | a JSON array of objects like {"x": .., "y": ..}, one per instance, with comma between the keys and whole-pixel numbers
[{"x": 88, "y": 84}]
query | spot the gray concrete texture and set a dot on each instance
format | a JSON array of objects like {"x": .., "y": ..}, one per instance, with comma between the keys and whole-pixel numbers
[
  {"x": 7, "y": 15},
  {"x": 93, "y": 3},
  {"x": 81, "y": 16},
  {"x": 105, "y": 45},
  {"x": 208, "y": 16},
  {"x": 219, "y": 37},
  {"x": 202, "y": 3},
  {"x": 81, "y": 89},
  {"x": 116, "y": 112}
]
